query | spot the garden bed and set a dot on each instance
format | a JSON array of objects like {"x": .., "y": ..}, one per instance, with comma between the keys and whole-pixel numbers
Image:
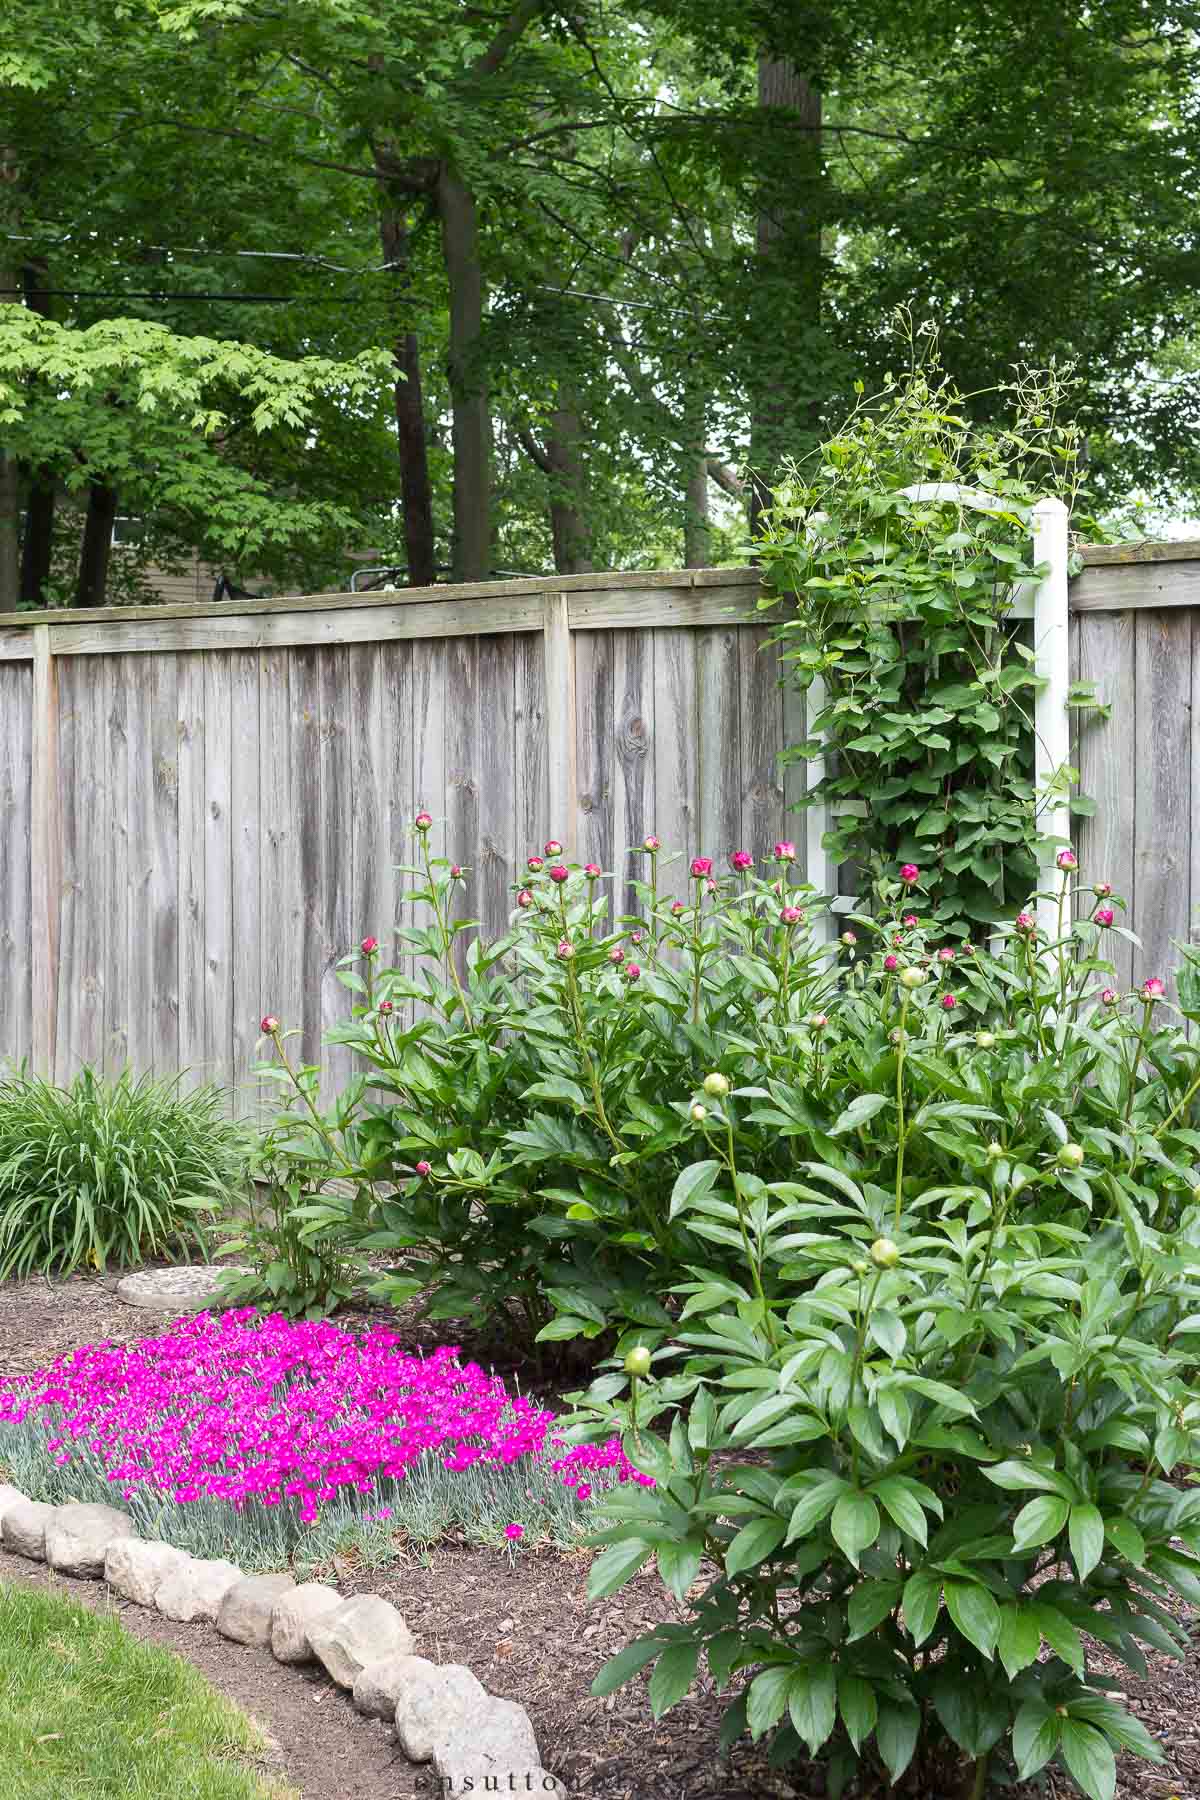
[{"x": 526, "y": 1630}]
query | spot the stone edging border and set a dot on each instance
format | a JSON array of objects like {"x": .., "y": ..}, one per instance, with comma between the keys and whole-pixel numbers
[{"x": 440, "y": 1712}]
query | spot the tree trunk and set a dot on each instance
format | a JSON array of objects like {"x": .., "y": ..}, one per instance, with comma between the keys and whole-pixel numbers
[
  {"x": 10, "y": 474},
  {"x": 786, "y": 295},
  {"x": 569, "y": 526},
  {"x": 96, "y": 552},
  {"x": 39, "y": 538},
  {"x": 416, "y": 491},
  {"x": 471, "y": 548}
]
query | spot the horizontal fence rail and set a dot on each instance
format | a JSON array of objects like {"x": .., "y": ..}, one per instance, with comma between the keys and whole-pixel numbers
[{"x": 205, "y": 806}]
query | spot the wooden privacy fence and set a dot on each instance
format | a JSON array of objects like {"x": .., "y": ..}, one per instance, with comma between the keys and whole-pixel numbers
[{"x": 204, "y": 807}]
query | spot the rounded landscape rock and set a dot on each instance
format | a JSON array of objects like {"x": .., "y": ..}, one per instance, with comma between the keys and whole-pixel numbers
[{"x": 192, "y": 1288}]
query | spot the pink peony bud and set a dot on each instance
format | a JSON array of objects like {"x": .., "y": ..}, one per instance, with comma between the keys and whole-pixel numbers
[
  {"x": 423, "y": 821},
  {"x": 741, "y": 859},
  {"x": 949, "y": 1002},
  {"x": 784, "y": 852},
  {"x": 652, "y": 844},
  {"x": 909, "y": 920},
  {"x": 1104, "y": 915},
  {"x": 616, "y": 954},
  {"x": 898, "y": 939},
  {"x": 909, "y": 873},
  {"x": 456, "y": 873},
  {"x": 635, "y": 937},
  {"x": 710, "y": 886},
  {"x": 553, "y": 848},
  {"x": 945, "y": 954},
  {"x": 818, "y": 1021},
  {"x": 677, "y": 907},
  {"x": 1025, "y": 922},
  {"x": 423, "y": 1168},
  {"x": 524, "y": 898},
  {"x": 1154, "y": 989},
  {"x": 791, "y": 915},
  {"x": 1102, "y": 890},
  {"x": 535, "y": 863},
  {"x": 849, "y": 937},
  {"x": 593, "y": 871},
  {"x": 566, "y": 950},
  {"x": 631, "y": 972},
  {"x": 560, "y": 873},
  {"x": 269, "y": 1025},
  {"x": 890, "y": 963},
  {"x": 1067, "y": 859},
  {"x": 369, "y": 946},
  {"x": 1109, "y": 996},
  {"x": 701, "y": 867},
  {"x": 386, "y": 1006}
]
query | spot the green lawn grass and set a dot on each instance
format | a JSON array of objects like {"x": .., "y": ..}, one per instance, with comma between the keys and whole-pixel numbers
[{"x": 88, "y": 1712}]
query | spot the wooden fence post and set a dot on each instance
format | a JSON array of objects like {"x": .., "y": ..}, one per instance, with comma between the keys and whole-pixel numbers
[
  {"x": 560, "y": 720},
  {"x": 45, "y": 851}
]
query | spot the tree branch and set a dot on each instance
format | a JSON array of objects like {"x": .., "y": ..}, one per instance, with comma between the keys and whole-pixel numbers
[{"x": 534, "y": 450}]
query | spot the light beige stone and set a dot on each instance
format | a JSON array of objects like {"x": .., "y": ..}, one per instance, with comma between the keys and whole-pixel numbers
[
  {"x": 247, "y": 1609},
  {"x": 362, "y": 1630},
  {"x": 293, "y": 1615}
]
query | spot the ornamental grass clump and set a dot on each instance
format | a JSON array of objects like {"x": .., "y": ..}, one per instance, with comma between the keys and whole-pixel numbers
[{"x": 258, "y": 1437}]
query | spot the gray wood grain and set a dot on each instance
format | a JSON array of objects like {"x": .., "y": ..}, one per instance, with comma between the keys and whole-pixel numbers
[
  {"x": 1162, "y": 788},
  {"x": 1106, "y": 760}
]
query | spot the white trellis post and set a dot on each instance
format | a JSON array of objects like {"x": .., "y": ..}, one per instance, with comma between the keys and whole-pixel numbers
[{"x": 1045, "y": 602}]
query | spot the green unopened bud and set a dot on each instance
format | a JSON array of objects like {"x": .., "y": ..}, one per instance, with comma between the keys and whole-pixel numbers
[
  {"x": 884, "y": 1254},
  {"x": 699, "y": 1113},
  {"x": 995, "y": 1152},
  {"x": 716, "y": 1086},
  {"x": 861, "y": 1267},
  {"x": 1196, "y": 1191},
  {"x": 985, "y": 1039},
  {"x": 911, "y": 977},
  {"x": 1070, "y": 1156},
  {"x": 638, "y": 1361}
]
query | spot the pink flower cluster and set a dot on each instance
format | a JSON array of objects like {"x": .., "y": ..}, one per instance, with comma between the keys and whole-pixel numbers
[{"x": 244, "y": 1409}]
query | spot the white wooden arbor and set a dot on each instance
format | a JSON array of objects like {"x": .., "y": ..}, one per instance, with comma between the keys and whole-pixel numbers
[{"x": 1045, "y": 602}]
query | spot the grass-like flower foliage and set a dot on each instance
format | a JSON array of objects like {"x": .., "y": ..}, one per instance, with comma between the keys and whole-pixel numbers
[{"x": 255, "y": 1413}]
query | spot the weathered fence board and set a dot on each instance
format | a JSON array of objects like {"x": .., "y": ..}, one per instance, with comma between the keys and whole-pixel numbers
[{"x": 205, "y": 808}]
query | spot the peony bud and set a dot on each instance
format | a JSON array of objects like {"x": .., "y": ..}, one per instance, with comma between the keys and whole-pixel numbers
[
  {"x": 1109, "y": 996},
  {"x": 911, "y": 977},
  {"x": 1025, "y": 922},
  {"x": 635, "y": 937},
  {"x": 785, "y": 852},
  {"x": 456, "y": 873},
  {"x": 884, "y": 1253},
  {"x": 631, "y": 972},
  {"x": 891, "y": 963},
  {"x": 716, "y": 1086},
  {"x": 423, "y": 1168},
  {"x": 651, "y": 844},
  {"x": 701, "y": 867},
  {"x": 910, "y": 920},
  {"x": 1067, "y": 859},
  {"x": 849, "y": 938},
  {"x": 566, "y": 950},
  {"x": 423, "y": 821},
  {"x": 985, "y": 1039},
  {"x": 945, "y": 954},
  {"x": 637, "y": 1363},
  {"x": 369, "y": 946},
  {"x": 677, "y": 907},
  {"x": 553, "y": 848},
  {"x": 268, "y": 1025},
  {"x": 616, "y": 954},
  {"x": 949, "y": 1002},
  {"x": 861, "y": 1267},
  {"x": 791, "y": 915},
  {"x": 524, "y": 898},
  {"x": 741, "y": 859},
  {"x": 593, "y": 871},
  {"x": 1104, "y": 915},
  {"x": 535, "y": 863},
  {"x": 995, "y": 1151},
  {"x": 1154, "y": 989},
  {"x": 699, "y": 1113},
  {"x": 1070, "y": 1156},
  {"x": 560, "y": 873},
  {"x": 385, "y": 1007},
  {"x": 1102, "y": 890},
  {"x": 818, "y": 1021},
  {"x": 710, "y": 886},
  {"x": 909, "y": 873}
]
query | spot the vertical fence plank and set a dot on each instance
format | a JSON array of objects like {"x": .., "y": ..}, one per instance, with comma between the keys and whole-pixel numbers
[
  {"x": 369, "y": 802},
  {"x": 113, "y": 807},
  {"x": 761, "y": 723},
  {"x": 429, "y": 701},
  {"x": 189, "y": 730},
  {"x": 218, "y": 869},
  {"x": 594, "y": 754},
  {"x": 334, "y": 910},
  {"x": 281, "y": 910},
  {"x": 718, "y": 733},
  {"x": 164, "y": 869},
  {"x": 136, "y": 678},
  {"x": 93, "y": 841},
  {"x": 31, "y": 857},
  {"x": 561, "y": 722},
  {"x": 1162, "y": 787},
  {"x": 533, "y": 750},
  {"x": 463, "y": 822},
  {"x": 488, "y": 897},
  {"x": 676, "y": 756},
  {"x": 794, "y": 772},
  {"x": 397, "y": 848},
  {"x": 633, "y": 740},
  {"x": 245, "y": 838},
  {"x": 1106, "y": 764},
  {"x": 305, "y": 754}
]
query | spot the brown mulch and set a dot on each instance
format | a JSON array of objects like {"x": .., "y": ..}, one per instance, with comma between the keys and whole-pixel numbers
[{"x": 527, "y": 1630}]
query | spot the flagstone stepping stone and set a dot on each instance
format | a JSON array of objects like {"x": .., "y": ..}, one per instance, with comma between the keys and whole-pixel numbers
[
  {"x": 192, "y": 1288},
  {"x": 247, "y": 1609},
  {"x": 362, "y": 1630},
  {"x": 24, "y": 1528},
  {"x": 293, "y": 1615},
  {"x": 136, "y": 1569},
  {"x": 78, "y": 1536},
  {"x": 196, "y": 1589}
]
